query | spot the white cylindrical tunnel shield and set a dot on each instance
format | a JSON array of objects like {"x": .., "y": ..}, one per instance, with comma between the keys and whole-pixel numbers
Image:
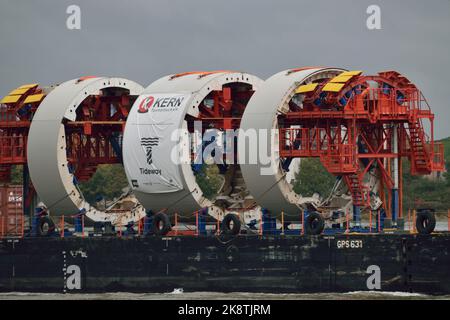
[
  {"x": 155, "y": 138},
  {"x": 266, "y": 179},
  {"x": 47, "y": 156}
]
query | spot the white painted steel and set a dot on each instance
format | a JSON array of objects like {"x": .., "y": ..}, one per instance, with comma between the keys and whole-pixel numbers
[
  {"x": 267, "y": 181},
  {"x": 190, "y": 198},
  {"x": 47, "y": 158}
]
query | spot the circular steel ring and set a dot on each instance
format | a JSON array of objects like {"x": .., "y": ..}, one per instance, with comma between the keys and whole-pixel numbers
[{"x": 46, "y": 149}]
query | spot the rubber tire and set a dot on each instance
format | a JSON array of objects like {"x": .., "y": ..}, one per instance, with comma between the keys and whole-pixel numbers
[
  {"x": 312, "y": 228},
  {"x": 427, "y": 218},
  {"x": 51, "y": 226},
  {"x": 166, "y": 226},
  {"x": 226, "y": 224}
]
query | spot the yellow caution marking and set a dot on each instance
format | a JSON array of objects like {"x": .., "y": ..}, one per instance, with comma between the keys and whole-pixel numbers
[
  {"x": 351, "y": 73},
  {"x": 18, "y": 91},
  {"x": 28, "y": 86},
  {"x": 333, "y": 87},
  {"x": 34, "y": 98},
  {"x": 10, "y": 99},
  {"x": 306, "y": 88},
  {"x": 341, "y": 79}
]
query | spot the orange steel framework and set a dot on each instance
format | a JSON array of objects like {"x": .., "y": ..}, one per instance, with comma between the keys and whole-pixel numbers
[
  {"x": 93, "y": 139},
  {"x": 353, "y": 123},
  {"x": 16, "y": 111}
]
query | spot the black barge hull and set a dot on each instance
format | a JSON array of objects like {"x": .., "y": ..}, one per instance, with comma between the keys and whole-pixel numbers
[{"x": 339, "y": 263}]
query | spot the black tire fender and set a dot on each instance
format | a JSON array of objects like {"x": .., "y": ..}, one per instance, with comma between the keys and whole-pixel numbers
[
  {"x": 314, "y": 223},
  {"x": 226, "y": 224},
  {"x": 161, "y": 224},
  {"x": 425, "y": 222}
]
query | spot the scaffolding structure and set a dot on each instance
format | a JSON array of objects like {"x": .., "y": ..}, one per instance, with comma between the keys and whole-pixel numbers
[{"x": 354, "y": 124}]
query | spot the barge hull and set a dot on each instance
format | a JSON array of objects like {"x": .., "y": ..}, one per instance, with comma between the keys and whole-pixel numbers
[{"x": 339, "y": 263}]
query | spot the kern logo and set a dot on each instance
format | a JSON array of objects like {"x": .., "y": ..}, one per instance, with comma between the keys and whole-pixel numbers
[
  {"x": 160, "y": 104},
  {"x": 148, "y": 144},
  {"x": 146, "y": 104}
]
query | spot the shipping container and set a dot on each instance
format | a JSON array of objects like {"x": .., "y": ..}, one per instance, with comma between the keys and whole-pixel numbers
[{"x": 11, "y": 210}]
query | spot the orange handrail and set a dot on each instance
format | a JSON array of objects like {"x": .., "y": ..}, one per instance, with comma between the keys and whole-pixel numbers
[
  {"x": 196, "y": 224},
  {"x": 62, "y": 226},
  {"x": 347, "y": 220},
  {"x": 22, "y": 231},
  {"x": 176, "y": 224},
  {"x": 139, "y": 227},
  {"x": 409, "y": 221},
  {"x": 218, "y": 226},
  {"x": 261, "y": 225},
  {"x": 303, "y": 222},
  {"x": 2, "y": 227},
  {"x": 82, "y": 226},
  {"x": 448, "y": 220},
  {"x": 379, "y": 221}
]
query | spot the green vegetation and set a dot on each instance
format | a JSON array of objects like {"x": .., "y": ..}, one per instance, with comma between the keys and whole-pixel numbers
[
  {"x": 107, "y": 183},
  {"x": 420, "y": 191},
  {"x": 16, "y": 175},
  {"x": 209, "y": 180},
  {"x": 312, "y": 177}
]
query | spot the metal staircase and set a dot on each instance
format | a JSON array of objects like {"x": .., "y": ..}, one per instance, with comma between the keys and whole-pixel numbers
[
  {"x": 420, "y": 156},
  {"x": 357, "y": 190}
]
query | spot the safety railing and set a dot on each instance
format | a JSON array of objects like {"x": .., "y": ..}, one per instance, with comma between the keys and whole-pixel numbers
[
  {"x": 339, "y": 158},
  {"x": 300, "y": 142},
  {"x": 281, "y": 224},
  {"x": 442, "y": 221},
  {"x": 202, "y": 225},
  {"x": 273, "y": 224},
  {"x": 388, "y": 103},
  {"x": 93, "y": 149},
  {"x": 306, "y": 142},
  {"x": 12, "y": 149},
  {"x": 437, "y": 150}
]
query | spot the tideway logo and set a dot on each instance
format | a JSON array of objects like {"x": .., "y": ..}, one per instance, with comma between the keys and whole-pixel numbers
[
  {"x": 159, "y": 104},
  {"x": 149, "y": 143}
]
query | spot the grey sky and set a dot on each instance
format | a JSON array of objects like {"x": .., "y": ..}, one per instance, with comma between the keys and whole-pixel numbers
[{"x": 145, "y": 39}]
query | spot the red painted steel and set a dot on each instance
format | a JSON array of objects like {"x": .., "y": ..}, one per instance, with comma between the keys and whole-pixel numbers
[{"x": 352, "y": 130}]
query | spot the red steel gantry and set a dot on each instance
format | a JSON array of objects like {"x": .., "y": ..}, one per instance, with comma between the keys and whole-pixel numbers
[{"x": 355, "y": 123}]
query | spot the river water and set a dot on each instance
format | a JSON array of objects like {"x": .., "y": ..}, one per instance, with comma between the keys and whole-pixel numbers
[{"x": 179, "y": 295}]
